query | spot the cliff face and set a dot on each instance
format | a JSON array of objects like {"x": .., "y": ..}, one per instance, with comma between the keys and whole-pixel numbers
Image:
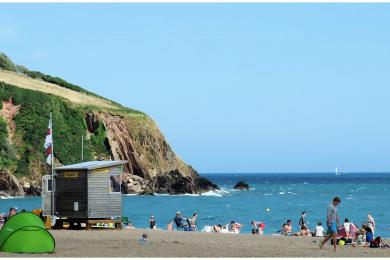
[
  {"x": 152, "y": 165},
  {"x": 110, "y": 130}
]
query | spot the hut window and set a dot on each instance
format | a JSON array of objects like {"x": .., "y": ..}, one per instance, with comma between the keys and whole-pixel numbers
[
  {"x": 115, "y": 182},
  {"x": 49, "y": 185}
]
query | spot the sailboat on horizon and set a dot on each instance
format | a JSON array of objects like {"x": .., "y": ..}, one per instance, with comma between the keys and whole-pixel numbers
[{"x": 337, "y": 172}]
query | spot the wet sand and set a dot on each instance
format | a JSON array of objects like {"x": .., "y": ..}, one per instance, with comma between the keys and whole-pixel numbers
[{"x": 126, "y": 243}]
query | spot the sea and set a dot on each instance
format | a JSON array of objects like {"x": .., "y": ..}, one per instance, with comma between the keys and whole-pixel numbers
[{"x": 272, "y": 198}]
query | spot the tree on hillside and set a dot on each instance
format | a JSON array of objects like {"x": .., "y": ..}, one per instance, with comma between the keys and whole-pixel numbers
[{"x": 6, "y": 63}]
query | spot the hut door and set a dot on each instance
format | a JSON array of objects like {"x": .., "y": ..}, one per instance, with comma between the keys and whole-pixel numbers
[{"x": 46, "y": 195}]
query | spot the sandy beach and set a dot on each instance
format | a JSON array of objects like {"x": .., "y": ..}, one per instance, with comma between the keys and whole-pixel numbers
[{"x": 126, "y": 243}]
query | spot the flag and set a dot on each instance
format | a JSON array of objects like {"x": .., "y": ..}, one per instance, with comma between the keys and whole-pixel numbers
[{"x": 49, "y": 143}]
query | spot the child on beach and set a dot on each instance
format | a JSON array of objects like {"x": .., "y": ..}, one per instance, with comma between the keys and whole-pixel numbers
[
  {"x": 170, "y": 226},
  {"x": 371, "y": 222},
  {"x": 332, "y": 221},
  {"x": 319, "y": 230},
  {"x": 347, "y": 228},
  {"x": 257, "y": 227},
  {"x": 193, "y": 221}
]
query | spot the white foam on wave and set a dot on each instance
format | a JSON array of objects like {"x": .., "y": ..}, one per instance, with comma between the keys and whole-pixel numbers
[
  {"x": 175, "y": 195},
  {"x": 291, "y": 193},
  {"x": 212, "y": 194},
  {"x": 281, "y": 193},
  {"x": 12, "y": 197},
  {"x": 217, "y": 193},
  {"x": 268, "y": 194}
]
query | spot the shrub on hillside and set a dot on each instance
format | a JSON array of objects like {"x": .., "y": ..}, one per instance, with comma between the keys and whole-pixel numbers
[{"x": 6, "y": 63}]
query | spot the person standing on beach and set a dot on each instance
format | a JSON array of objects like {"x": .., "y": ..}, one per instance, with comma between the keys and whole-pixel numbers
[
  {"x": 332, "y": 221},
  {"x": 193, "y": 221},
  {"x": 371, "y": 222},
  {"x": 302, "y": 223},
  {"x": 152, "y": 223}
]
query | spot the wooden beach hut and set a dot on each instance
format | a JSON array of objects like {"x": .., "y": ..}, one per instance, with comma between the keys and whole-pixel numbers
[{"x": 88, "y": 192}]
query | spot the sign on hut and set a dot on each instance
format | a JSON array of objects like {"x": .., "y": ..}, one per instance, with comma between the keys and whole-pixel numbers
[{"x": 88, "y": 192}]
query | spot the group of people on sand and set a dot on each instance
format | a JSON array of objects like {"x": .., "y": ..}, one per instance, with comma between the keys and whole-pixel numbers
[
  {"x": 257, "y": 227},
  {"x": 287, "y": 228},
  {"x": 344, "y": 230},
  {"x": 232, "y": 227},
  {"x": 4, "y": 217},
  {"x": 181, "y": 223},
  {"x": 348, "y": 233}
]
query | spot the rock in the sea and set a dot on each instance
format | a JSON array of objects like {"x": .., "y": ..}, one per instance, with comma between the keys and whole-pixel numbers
[
  {"x": 204, "y": 185},
  {"x": 133, "y": 184},
  {"x": 175, "y": 183},
  {"x": 9, "y": 184},
  {"x": 241, "y": 185},
  {"x": 31, "y": 190},
  {"x": 171, "y": 183}
]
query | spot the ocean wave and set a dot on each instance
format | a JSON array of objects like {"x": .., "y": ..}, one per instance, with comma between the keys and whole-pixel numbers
[
  {"x": 11, "y": 197},
  {"x": 268, "y": 194},
  {"x": 177, "y": 195},
  {"x": 213, "y": 194},
  {"x": 291, "y": 193},
  {"x": 281, "y": 193},
  {"x": 217, "y": 193}
]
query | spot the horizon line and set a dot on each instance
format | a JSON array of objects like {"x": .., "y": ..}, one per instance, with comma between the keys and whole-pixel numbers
[{"x": 295, "y": 172}]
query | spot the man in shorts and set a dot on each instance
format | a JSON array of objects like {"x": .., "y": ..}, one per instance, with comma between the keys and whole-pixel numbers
[{"x": 332, "y": 221}]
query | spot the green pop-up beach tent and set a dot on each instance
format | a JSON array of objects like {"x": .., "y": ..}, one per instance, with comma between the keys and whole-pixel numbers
[{"x": 26, "y": 233}]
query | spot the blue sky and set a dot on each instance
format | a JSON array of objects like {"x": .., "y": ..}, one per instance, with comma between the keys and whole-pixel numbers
[{"x": 234, "y": 87}]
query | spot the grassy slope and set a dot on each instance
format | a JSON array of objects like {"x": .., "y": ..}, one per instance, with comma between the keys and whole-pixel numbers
[
  {"x": 38, "y": 95},
  {"x": 37, "y": 98}
]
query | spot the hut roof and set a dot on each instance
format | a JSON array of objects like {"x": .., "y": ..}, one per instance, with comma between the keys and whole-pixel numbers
[{"x": 90, "y": 165}]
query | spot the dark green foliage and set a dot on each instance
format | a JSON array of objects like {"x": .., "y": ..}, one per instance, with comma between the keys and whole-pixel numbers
[
  {"x": 6, "y": 63},
  {"x": 32, "y": 122},
  {"x": 58, "y": 81},
  {"x": 21, "y": 69},
  {"x": 98, "y": 140},
  {"x": 54, "y": 80}
]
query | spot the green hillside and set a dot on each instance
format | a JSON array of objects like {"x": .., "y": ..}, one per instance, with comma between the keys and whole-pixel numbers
[
  {"x": 110, "y": 131},
  {"x": 31, "y": 124}
]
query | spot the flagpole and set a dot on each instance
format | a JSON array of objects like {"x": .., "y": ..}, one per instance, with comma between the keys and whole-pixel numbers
[
  {"x": 82, "y": 148},
  {"x": 52, "y": 168}
]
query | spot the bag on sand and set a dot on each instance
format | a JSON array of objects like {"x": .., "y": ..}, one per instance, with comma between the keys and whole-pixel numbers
[{"x": 376, "y": 242}]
